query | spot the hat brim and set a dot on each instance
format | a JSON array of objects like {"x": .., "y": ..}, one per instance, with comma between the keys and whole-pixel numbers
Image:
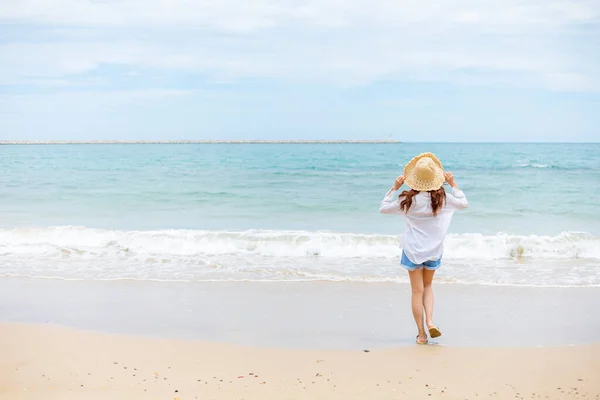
[{"x": 411, "y": 180}]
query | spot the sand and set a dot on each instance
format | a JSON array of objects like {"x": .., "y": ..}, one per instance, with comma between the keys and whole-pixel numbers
[{"x": 43, "y": 361}]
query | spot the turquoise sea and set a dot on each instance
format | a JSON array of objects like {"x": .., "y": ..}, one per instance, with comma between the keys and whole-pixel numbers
[{"x": 292, "y": 212}]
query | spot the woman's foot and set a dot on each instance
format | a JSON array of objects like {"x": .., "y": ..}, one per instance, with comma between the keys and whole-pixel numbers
[
  {"x": 434, "y": 331},
  {"x": 422, "y": 339}
]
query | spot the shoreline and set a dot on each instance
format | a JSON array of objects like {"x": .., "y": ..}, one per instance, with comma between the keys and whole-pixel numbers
[{"x": 41, "y": 361}]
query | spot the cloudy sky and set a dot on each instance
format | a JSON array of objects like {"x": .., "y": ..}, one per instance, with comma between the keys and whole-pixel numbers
[{"x": 429, "y": 70}]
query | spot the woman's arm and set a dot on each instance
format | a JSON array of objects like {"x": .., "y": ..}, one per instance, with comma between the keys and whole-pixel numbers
[
  {"x": 457, "y": 200},
  {"x": 390, "y": 204}
]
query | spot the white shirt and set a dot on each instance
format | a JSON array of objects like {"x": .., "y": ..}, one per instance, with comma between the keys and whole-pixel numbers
[{"x": 423, "y": 239}]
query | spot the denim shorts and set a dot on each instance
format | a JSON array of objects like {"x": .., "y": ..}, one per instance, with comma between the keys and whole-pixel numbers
[{"x": 409, "y": 265}]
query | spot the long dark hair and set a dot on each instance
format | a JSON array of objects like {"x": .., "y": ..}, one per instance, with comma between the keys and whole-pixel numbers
[{"x": 438, "y": 198}]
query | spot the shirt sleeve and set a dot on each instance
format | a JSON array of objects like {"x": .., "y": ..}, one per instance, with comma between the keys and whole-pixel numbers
[
  {"x": 390, "y": 204},
  {"x": 457, "y": 200}
]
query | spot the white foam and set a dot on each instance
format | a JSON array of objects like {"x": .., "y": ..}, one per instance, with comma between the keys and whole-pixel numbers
[
  {"x": 67, "y": 252},
  {"x": 69, "y": 241},
  {"x": 533, "y": 165}
]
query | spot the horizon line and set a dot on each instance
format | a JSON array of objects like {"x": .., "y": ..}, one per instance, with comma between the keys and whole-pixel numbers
[
  {"x": 25, "y": 142},
  {"x": 258, "y": 141}
]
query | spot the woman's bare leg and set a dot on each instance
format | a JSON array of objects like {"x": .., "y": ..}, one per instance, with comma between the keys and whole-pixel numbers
[
  {"x": 416, "y": 284},
  {"x": 428, "y": 296}
]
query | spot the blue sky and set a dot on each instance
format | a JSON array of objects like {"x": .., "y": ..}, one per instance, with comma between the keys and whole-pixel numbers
[{"x": 460, "y": 70}]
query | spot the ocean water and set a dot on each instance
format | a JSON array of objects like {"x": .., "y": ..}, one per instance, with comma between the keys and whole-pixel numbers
[{"x": 297, "y": 212}]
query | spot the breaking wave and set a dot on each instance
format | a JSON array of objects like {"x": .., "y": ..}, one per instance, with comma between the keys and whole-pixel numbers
[{"x": 70, "y": 252}]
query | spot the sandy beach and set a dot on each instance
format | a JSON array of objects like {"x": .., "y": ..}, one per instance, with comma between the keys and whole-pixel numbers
[
  {"x": 52, "y": 362},
  {"x": 143, "y": 340}
]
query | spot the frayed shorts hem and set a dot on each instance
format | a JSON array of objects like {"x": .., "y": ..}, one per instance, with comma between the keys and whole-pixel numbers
[{"x": 431, "y": 265}]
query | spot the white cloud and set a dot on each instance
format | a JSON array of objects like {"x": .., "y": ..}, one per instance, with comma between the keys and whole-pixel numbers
[
  {"x": 339, "y": 41},
  {"x": 256, "y": 14}
]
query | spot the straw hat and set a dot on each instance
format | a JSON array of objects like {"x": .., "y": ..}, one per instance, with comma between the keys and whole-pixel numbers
[{"x": 424, "y": 173}]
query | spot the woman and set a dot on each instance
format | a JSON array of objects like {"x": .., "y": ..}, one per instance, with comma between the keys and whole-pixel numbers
[{"x": 428, "y": 212}]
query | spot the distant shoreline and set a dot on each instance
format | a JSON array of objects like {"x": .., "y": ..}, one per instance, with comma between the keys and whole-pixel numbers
[{"x": 25, "y": 142}]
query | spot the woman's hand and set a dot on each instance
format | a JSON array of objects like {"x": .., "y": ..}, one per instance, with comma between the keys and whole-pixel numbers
[
  {"x": 399, "y": 182},
  {"x": 450, "y": 179}
]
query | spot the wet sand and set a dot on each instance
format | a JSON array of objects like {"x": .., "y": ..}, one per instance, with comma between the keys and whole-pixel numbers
[
  {"x": 309, "y": 315},
  {"x": 49, "y": 362}
]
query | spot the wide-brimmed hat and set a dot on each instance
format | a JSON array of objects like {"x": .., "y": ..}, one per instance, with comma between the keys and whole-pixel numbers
[{"x": 424, "y": 173}]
